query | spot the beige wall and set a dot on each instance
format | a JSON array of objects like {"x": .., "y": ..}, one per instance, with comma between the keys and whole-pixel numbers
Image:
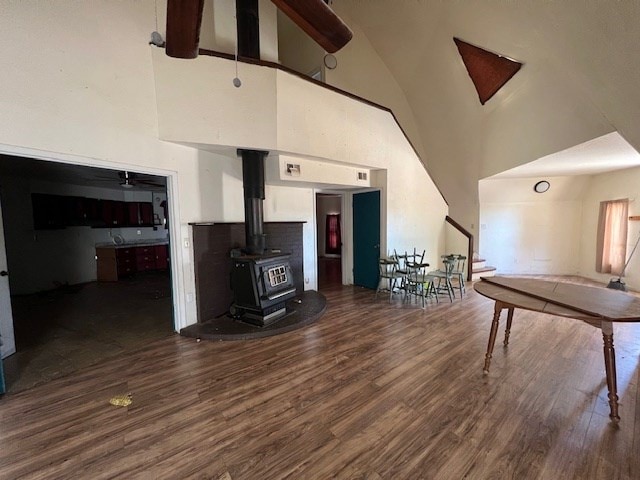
[
  {"x": 610, "y": 186},
  {"x": 296, "y": 49},
  {"x": 577, "y": 83}
]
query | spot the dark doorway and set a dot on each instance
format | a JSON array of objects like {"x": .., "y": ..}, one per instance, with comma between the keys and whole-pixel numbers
[
  {"x": 366, "y": 238},
  {"x": 88, "y": 256},
  {"x": 329, "y": 235}
]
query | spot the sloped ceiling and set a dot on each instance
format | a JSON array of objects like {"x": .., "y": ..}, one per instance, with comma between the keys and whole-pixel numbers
[{"x": 580, "y": 80}]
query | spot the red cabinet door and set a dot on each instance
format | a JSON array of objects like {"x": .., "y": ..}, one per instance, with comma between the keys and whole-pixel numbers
[
  {"x": 162, "y": 257},
  {"x": 146, "y": 213},
  {"x": 132, "y": 214}
]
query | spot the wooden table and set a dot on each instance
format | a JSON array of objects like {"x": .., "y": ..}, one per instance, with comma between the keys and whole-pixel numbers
[{"x": 596, "y": 306}]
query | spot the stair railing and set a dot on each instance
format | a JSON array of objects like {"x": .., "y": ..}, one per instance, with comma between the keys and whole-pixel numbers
[{"x": 469, "y": 236}]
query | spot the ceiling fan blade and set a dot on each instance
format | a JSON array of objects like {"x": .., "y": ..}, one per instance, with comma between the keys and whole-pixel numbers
[{"x": 149, "y": 182}]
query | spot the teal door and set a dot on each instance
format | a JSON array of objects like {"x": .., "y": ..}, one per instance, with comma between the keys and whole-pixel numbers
[{"x": 366, "y": 238}]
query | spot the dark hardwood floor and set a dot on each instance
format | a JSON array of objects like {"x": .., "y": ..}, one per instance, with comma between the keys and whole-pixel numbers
[
  {"x": 64, "y": 330},
  {"x": 329, "y": 272},
  {"x": 372, "y": 390}
]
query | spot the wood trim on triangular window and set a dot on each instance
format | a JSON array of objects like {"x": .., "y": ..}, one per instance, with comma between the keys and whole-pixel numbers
[{"x": 488, "y": 71}]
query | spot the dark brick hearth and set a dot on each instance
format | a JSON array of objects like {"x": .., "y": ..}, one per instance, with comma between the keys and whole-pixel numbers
[{"x": 212, "y": 243}]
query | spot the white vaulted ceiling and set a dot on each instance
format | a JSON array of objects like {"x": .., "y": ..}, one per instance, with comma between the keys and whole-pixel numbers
[{"x": 579, "y": 80}]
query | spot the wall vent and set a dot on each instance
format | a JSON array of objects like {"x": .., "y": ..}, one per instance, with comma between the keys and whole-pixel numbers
[
  {"x": 293, "y": 169},
  {"x": 362, "y": 176}
]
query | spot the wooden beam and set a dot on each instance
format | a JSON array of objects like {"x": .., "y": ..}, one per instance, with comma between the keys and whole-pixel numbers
[
  {"x": 318, "y": 21},
  {"x": 184, "y": 18}
]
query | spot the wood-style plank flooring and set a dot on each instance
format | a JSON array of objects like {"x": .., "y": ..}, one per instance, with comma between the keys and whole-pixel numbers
[{"x": 372, "y": 390}]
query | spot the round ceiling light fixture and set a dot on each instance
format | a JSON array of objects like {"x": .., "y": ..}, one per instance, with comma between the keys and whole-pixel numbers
[{"x": 541, "y": 187}]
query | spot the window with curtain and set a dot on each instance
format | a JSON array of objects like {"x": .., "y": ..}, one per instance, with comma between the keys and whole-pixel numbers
[
  {"x": 333, "y": 242},
  {"x": 611, "y": 249}
]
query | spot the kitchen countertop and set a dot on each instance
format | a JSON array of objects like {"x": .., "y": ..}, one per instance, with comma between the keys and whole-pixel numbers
[{"x": 134, "y": 243}]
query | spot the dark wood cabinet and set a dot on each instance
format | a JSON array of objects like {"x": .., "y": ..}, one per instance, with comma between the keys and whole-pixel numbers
[
  {"x": 114, "y": 213},
  {"x": 146, "y": 258},
  {"x": 162, "y": 257},
  {"x": 139, "y": 214},
  {"x": 146, "y": 213},
  {"x": 114, "y": 263},
  {"x": 49, "y": 211},
  {"x": 60, "y": 211}
]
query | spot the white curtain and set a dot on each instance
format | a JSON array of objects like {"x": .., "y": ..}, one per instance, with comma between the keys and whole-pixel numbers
[{"x": 611, "y": 250}]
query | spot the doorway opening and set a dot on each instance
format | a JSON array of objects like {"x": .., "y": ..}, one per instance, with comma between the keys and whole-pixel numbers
[
  {"x": 89, "y": 273},
  {"x": 329, "y": 230}
]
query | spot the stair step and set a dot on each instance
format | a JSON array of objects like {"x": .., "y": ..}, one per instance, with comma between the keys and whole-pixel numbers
[
  {"x": 478, "y": 273},
  {"x": 478, "y": 264}
]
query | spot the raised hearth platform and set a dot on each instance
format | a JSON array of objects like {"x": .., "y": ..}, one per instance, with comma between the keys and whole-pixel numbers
[{"x": 302, "y": 310}]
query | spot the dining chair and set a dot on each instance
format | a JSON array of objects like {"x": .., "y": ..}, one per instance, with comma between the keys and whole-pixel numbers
[
  {"x": 388, "y": 275},
  {"x": 459, "y": 272},
  {"x": 419, "y": 284},
  {"x": 445, "y": 276}
]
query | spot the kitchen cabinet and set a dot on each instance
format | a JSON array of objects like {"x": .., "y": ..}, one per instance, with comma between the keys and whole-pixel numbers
[
  {"x": 162, "y": 257},
  {"x": 146, "y": 258},
  {"x": 61, "y": 211},
  {"x": 115, "y": 262},
  {"x": 48, "y": 211},
  {"x": 139, "y": 214},
  {"x": 113, "y": 213}
]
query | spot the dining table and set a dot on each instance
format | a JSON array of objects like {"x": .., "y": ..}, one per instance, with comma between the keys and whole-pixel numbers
[{"x": 597, "y": 306}]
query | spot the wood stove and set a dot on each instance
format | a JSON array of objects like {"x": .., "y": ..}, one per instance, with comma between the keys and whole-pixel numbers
[{"x": 261, "y": 286}]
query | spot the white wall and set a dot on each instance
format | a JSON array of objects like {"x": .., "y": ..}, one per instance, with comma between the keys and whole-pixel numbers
[
  {"x": 523, "y": 232},
  {"x": 362, "y": 71},
  {"x": 291, "y": 116},
  {"x": 455, "y": 241},
  {"x": 78, "y": 96},
  {"x": 83, "y": 98},
  {"x": 556, "y": 232},
  {"x": 313, "y": 171}
]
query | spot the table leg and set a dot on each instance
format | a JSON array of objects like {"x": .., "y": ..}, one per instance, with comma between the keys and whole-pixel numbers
[
  {"x": 492, "y": 336},
  {"x": 610, "y": 367},
  {"x": 507, "y": 330}
]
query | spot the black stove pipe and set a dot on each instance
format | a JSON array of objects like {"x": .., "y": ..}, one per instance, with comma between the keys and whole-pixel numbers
[
  {"x": 253, "y": 179},
  {"x": 248, "y": 25}
]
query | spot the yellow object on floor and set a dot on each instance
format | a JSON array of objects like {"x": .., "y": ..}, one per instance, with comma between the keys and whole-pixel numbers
[{"x": 121, "y": 400}]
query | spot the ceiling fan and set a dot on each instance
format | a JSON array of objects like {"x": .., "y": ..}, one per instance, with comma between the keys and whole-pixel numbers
[{"x": 132, "y": 179}]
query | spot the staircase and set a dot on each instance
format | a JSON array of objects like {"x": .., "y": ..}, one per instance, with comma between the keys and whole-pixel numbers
[{"x": 480, "y": 269}]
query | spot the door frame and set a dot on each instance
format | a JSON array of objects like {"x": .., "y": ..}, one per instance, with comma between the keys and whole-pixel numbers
[
  {"x": 346, "y": 249},
  {"x": 177, "y": 260}
]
